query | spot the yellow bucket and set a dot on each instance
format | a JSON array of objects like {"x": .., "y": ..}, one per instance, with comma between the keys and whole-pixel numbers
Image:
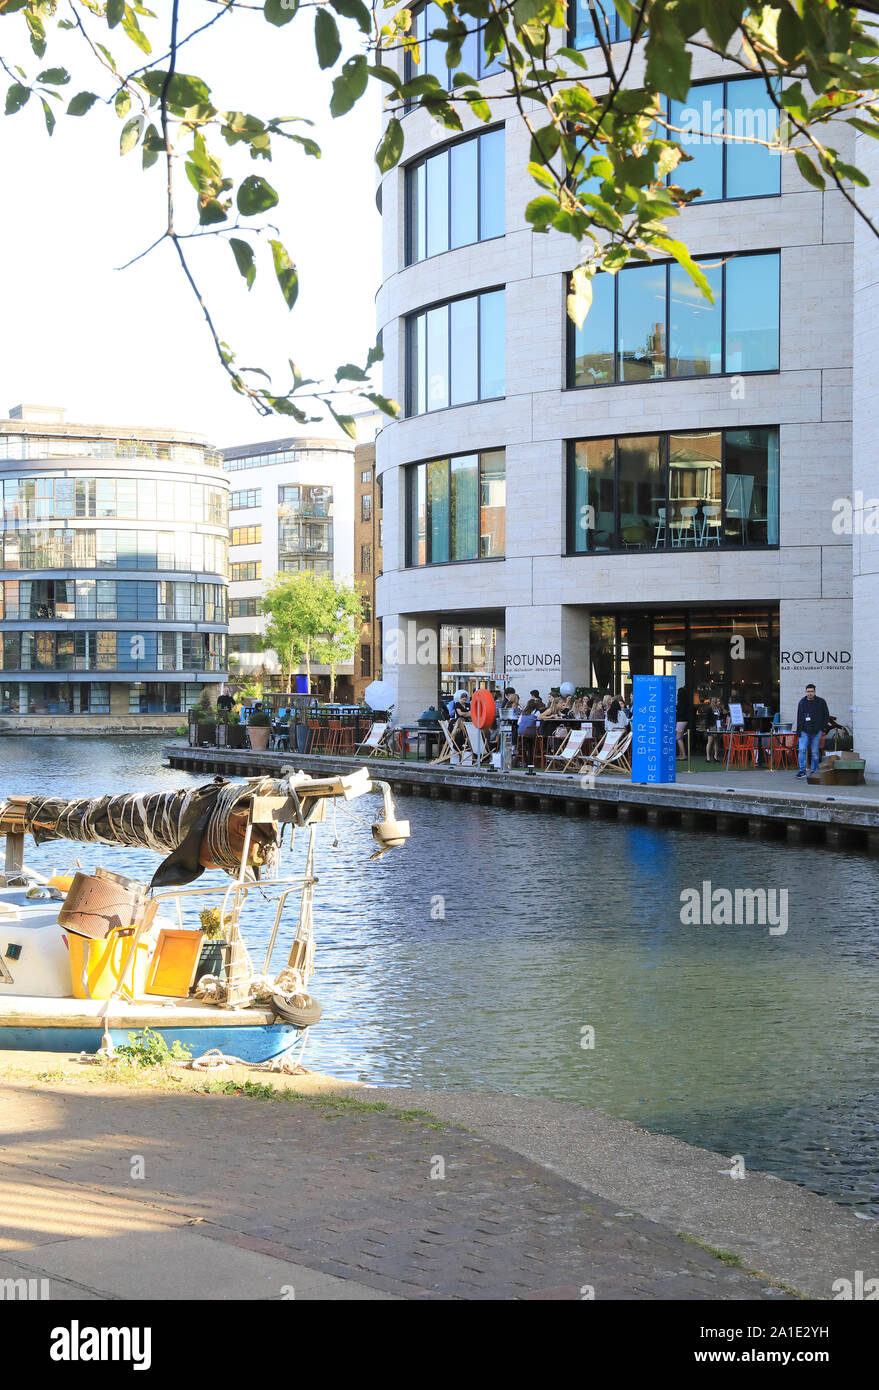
[
  {"x": 96, "y": 967},
  {"x": 61, "y": 881}
]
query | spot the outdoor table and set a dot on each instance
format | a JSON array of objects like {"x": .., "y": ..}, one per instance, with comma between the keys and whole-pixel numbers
[{"x": 406, "y": 733}]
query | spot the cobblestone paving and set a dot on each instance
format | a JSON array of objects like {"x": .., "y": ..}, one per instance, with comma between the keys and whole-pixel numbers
[{"x": 347, "y": 1192}]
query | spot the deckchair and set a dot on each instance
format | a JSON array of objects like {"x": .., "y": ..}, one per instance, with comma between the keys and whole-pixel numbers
[
  {"x": 478, "y": 744},
  {"x": 611, "y": 751},
  {"x": 375, "y": 745},
  {"x": 571, "y": 750},
  {"x": 449, "y": 751}
]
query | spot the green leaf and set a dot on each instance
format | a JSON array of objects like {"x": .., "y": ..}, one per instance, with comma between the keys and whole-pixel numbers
[
  {"x": 122, "y": 103},
  {"x": 134, "y": 31},
  {"x": 808, "y": 170},
  {"x": 243, "y": 254},
  {"x": 183, "y": 90},
  {"x": 354, "y": 9},
  {"x": 111, "y": 61},
  {"x": 210, "y": 211},
  {"x": 349, "y": 372},
  {"x": 286, "y": 274},
  {"x": 383, "y": 403},
  {"x": 17, "y": 97},
  {"x": 153, "y": 146},
  {"x": 683, "y": 257},
  {"x": 345, "y": 422},
  {"x": 49, "y": 115},
  {"x": 579, "y": 300},
  {"x": 54, "y": 77},
  {"x": 37, "y": 33},
  {"x": 387, "y": 156},
  {"x": 668, "y": 62},
  {"x": 280, "y": 11},
  {"x": 130, "y": 134},
  {"x": 255, "y": 196},
  {"x": 115, "y": 11},
  {"x": 350, "y": 86},
  {"x": 541, "y": 211},
  {"x": 326, "y": 39},
  {"x": 81, "y": 103}
]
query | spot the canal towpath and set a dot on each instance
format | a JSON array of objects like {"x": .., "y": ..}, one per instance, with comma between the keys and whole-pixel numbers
[{"x": 144, "y": 1189}]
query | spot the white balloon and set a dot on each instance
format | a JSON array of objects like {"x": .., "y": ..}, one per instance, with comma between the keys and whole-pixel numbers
[{"x": 566, "y": 688}]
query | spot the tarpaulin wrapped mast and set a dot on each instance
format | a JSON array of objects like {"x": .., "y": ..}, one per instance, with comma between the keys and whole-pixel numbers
[{"x": 196, "y": 829}]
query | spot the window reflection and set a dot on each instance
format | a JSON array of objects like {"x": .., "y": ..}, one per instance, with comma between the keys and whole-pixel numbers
[
  {"x": 685, "y": 490},
  {"x": 456, "y": 353},
  {"x": 456, "y": 196},
  {"x": 456, "y": 509}
]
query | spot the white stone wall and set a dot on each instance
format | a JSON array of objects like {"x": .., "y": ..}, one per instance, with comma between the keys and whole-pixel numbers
[
  {"x": 546, "y": 593},
  {"x": 865, "y": 467}
]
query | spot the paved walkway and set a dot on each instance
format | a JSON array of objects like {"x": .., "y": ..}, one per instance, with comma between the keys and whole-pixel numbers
[{"x": 112, "y": 1192}]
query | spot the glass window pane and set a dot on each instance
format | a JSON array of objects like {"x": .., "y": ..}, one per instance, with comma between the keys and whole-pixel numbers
[
  {"x": 465, "y": 200},
  {"x": 701, "y": 122},
  {"x": 438, "y": 510},
  {"x": 465, "y": 507},
  {"x": 751, "y": 170},
  {"x": 694, "y": 487},
  {"x": 492, "y": 345},
  {"x": 593, "y": 343},
  {"x": 416, "y": 184},
  {"x": 641, "y": 332},
  {"x": 751, "y": 487},
  {"x": 584, "y": 28},
  {"x": 465, "y": 365},
  {"x": 437, "y": 203},
  {"x": 492, "y": 185},
  {"x": 593, "y": 491},
  {"x": 752, "y": 303},
  {"x": 438, "y": 357},
  {"x": 695, "y": 328},
  {"x": 418, "y": 515},
  {"x": 417, "y": 365},
  {"x": 493, "y": 505},
  {"x": 641, "y": 488}
]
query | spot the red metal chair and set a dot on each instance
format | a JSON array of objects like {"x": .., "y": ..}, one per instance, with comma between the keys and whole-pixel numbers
[{"x": 784, "y": 750}]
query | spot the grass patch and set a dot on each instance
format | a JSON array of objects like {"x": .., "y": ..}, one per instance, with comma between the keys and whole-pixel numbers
[{"x": 729, "y": 1258}]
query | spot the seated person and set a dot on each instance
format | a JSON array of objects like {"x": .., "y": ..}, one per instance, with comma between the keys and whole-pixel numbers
[
  {"x": 616, "y": 716},
  {"x": 528, "y": 730},
  {"x": 460, "y": 714}
]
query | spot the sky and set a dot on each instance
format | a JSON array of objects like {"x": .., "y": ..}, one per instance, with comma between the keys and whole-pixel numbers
[{"x": 130, "y": 347}]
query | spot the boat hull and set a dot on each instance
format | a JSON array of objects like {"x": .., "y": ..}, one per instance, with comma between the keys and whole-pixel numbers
[{"x": 252, "y": 1043}]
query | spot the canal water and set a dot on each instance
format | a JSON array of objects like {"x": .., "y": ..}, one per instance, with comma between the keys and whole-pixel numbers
[{"x": 484, "y": 952}]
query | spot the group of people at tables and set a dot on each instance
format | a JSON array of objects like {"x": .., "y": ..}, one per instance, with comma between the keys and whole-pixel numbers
[{"x": 549, "y": 719}]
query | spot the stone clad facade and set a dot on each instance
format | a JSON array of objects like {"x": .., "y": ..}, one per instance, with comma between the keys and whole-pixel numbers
[{"x": 539, "y": 598}]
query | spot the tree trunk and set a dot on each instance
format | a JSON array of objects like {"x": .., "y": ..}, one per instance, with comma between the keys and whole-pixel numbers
[{"x": 332, "y": 681}]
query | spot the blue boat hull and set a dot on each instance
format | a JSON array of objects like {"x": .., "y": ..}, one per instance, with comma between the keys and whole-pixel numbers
[{"x": 250, "y": 1042}]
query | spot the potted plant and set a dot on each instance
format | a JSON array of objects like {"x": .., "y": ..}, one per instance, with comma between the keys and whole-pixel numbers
[
  {"x": 259, "y": 726},
  {"x": 236, "y": 732},
  {"x": 212, "y": 960}
]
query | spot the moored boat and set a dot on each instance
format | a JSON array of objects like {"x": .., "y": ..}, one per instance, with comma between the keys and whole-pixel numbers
[{"x": 121, "y": 960}]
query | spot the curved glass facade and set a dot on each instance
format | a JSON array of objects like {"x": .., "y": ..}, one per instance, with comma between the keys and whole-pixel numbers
[{"x": 70, "y": 606}]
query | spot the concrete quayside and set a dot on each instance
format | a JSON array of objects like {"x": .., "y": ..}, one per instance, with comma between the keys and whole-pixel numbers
[{"x": 774, "y": 805}]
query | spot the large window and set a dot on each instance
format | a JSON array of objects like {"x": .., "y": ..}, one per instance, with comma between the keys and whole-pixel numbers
[
  {"x": 585, "y": 31},
  {"x": 432, "y": 52},
  {"x": 456, "y": 509},
  {"x": 251, "y": 497},
  {"x": 133, "y": 499},
  {"x": 109, "y": 650},
  {"x": 456, "y": 353},
  {"x": 650, "y": 322},
  {"x": 245, "y": 607},
  {"x": 246, "y": 535},
  {"x": 47, "y": 600},
  {"x": 39, "y": 548},
  {"x": 455, "y": 197},
  {"x": 693, "y": 489},
  {"x": 736, "y": 166},
  {"x": 251, "y": 569}
]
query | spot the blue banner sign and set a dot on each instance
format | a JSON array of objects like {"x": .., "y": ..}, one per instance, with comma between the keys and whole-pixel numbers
[{"x": 653, "y": 728}]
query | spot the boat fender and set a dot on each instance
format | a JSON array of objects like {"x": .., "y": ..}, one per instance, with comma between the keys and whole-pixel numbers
[{"x": 301, "y": 1008}]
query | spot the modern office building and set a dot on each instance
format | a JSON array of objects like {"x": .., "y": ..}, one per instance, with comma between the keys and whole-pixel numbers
[
  {"x": 291, "y": 507},
  {"x": 657, "y": 492},
  {"x": 113, "y": 582}
]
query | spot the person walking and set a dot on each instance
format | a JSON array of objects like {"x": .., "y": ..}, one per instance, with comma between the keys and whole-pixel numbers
[{"x": 813, "y": 717}]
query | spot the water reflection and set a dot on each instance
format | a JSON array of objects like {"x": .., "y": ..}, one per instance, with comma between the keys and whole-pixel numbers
[{"x": 727, "y": 1037}]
